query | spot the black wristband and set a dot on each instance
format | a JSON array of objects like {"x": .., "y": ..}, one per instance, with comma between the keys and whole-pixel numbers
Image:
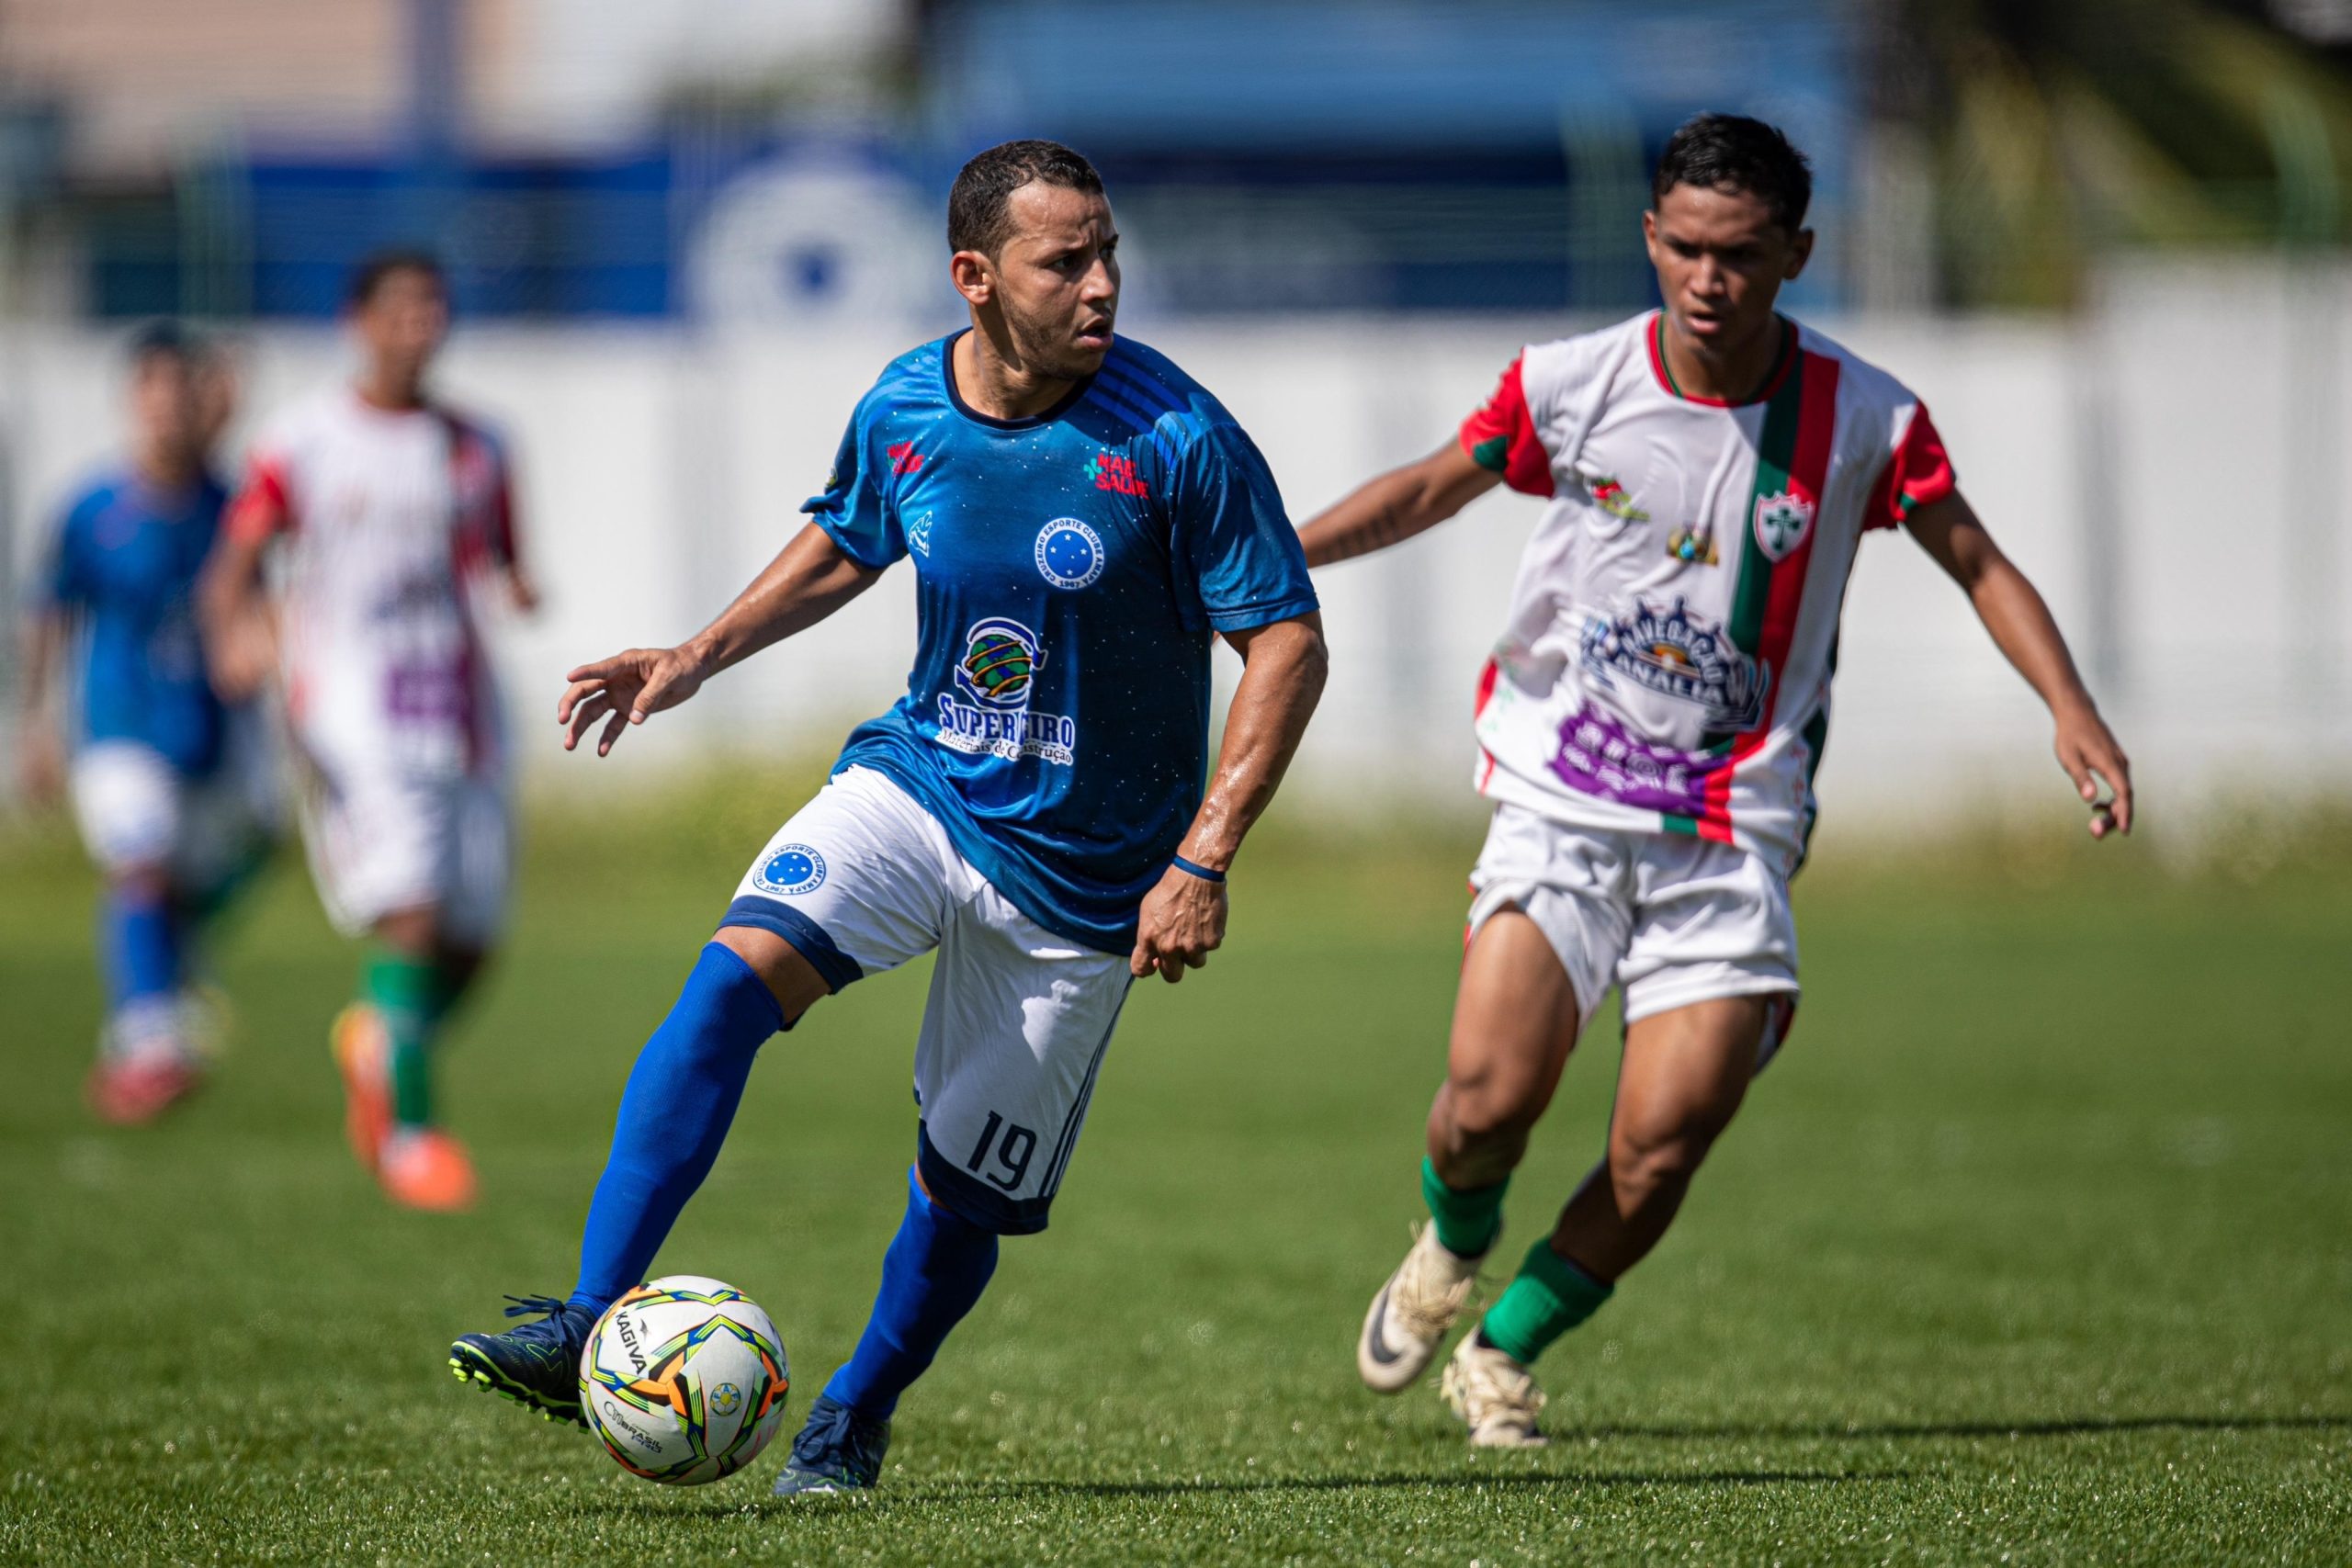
[{"x": 1195, "y": 869}]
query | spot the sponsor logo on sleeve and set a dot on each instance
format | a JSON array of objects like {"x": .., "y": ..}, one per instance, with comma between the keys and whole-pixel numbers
[
  {"x": 1069, "y": 554},
  {"x": 989, "y": 711}
]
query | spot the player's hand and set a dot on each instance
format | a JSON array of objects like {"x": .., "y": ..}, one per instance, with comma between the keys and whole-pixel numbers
[
  {"x": 522, "y": 590},
  {"x": 241, "y": 656},
  {"x": 40, "y": 767},
  {"x": 624, "y": 689},
  {"x": 1182, "y": 922},
  {"x": 2086, "y": 749}
]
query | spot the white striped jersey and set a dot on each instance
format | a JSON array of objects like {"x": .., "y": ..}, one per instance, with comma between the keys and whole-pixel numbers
[
  {"x": 1674, "y": 624},
  {"x": 388, "y": 512}
]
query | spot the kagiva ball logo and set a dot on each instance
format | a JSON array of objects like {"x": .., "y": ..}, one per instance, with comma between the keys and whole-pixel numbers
[
  {"x": 1679, "y": 654},
  {"x": 1782, "y": 522},
  {"x": 725, "y": 1399},
  {"x": 996, "y": 676},
  {"x": 793, "y": 868},
  {"x": 1069, "y": 554}
]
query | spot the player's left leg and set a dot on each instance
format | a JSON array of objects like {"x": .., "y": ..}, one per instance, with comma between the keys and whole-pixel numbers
[
  {"x": 129, "y": 803},
  {"x": 422, "y": 959},
  {"x": 1709, "y": 988},
  {"x": 1015, "y": 1029}
]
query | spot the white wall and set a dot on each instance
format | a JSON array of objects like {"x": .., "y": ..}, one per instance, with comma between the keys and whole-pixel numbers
[{"x": 660, "y": 470}]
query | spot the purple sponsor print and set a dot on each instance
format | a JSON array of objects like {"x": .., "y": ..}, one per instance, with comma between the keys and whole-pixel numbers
[
  {"x": 1600, "y": 756},
  {"x": 425, "y": 694}
]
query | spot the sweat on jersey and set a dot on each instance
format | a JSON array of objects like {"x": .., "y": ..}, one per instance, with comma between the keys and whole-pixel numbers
[
  {"x": 126, "y": 560},
  {"x": 1070, "y": 570},
  {"x": 388, "y": 512},
  {"x": 1674, "y": 626}
]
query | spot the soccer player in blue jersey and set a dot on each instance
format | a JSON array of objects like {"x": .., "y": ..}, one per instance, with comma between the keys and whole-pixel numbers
[
  {"x": 1082, "y": 517},
  {"x": 169, "y": 785}
]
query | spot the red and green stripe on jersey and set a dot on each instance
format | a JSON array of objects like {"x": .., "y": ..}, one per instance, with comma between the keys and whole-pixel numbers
[{"x": 1792, "y": 450}]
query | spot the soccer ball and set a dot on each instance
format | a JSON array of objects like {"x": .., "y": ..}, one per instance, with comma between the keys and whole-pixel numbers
[{"x": 683, "y": 1380}]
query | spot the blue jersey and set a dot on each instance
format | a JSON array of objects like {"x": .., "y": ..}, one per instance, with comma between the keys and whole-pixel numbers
[
  {"x": 1070, "y": 571},
  {"x": 126, "y": 561}
]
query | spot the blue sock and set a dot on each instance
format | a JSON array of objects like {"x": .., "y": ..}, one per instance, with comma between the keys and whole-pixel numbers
[
  {"x": 141, "y": 943},
  {"x": 937, "y": 1266},
  {"x": 681, "y": 1097}
]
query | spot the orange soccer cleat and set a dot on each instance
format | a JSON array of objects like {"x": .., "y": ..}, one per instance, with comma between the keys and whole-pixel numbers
[
  {"x": 423, "y": 1168},
  {"x": 363, "y": 1054}
]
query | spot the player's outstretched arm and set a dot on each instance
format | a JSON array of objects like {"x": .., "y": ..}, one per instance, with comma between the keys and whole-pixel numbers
[
  {"x": 1283, "y": 665},
  {"x": 1396, "y": 506},
  {"x": 810, "y": 579},
  {"x": 40, "y": 743},
  {"x": 232, "y": 607},
  {"x": 2027, "y": 635}
]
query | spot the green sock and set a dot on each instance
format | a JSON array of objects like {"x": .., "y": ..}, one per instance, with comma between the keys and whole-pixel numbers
[
  {"x": 1467, "y": 1223},
  {"x": 406, "y": 993},
  {"x": 1549, "y": 1296}
]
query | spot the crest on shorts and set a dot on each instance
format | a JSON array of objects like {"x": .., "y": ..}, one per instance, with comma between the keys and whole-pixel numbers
[
  {"x": 1783, "y": 523},
  {"x": 791, "y": 869}
]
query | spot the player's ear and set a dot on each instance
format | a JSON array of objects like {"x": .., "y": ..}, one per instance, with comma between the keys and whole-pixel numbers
[
  {"x": 973, "y": 277},
  {"x": 1800, "y": 252}
]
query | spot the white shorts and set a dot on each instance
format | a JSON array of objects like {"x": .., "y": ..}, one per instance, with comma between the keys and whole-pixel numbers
[
  {"x": 382, "y": 839},
  {"x": 136, "y": 810},
  {"x": 1667, "y": 919},
  {"x": 862, "y": 880}
]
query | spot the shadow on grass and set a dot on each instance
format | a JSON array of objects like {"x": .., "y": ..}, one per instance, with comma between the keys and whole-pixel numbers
[
  {"x": 961, "y": 1492},
  {"x": 2069, "y": 1426}
]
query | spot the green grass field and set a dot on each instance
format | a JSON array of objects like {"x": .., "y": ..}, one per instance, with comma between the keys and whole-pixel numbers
[{"x": 2036, "y": 1246}]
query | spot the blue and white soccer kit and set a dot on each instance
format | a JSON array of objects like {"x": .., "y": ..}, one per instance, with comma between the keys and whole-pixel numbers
[
  {"x": 1014, "y": 807},
  {"x": 163, "y": 773}
]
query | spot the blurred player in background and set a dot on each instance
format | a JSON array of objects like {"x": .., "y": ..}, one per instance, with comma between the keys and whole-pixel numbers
[
  {"x": 390, "y": 509},
  {"x": 1648, "y": 729},
  {"x": 1082, "y": 517},
  {"x": 171, "y": 786}
]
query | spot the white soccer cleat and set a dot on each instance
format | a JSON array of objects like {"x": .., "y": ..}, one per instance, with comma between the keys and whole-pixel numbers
[
  {"x": 1496, "y": 1397},
  {"x": 1409, "y": 1316}
]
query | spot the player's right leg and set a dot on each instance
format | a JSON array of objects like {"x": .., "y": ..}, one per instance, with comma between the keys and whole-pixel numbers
[
  {"x": 846, "y": 888},
  {"x": 1544, "y": 931},
  {"x": 128, "y": 801}
]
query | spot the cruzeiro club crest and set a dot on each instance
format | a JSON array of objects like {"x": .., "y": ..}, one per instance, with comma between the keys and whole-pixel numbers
[
  {"x": 1069, "y": 554},
  {"x": 1000, "y": 660},
  {"x": 997, "y": 676},
  {"x": 1679, "y": 654},
  {"x": 791, "y": 869},
  {"x": 1782, "y": 522}
]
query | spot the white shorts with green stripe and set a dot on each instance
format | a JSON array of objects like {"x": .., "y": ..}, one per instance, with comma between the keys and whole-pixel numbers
[{"x": 1667, "y": 919}]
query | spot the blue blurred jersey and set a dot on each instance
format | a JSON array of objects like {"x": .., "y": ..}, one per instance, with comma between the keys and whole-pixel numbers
[
  {"x": 125, "y": 564},
  {"x": 1070, "y": 571}
]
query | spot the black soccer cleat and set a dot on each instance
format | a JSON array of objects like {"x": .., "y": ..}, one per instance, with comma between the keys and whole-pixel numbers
[
  {"x": 538, "y": 1365},
  {"x": 838, "y": 1450}
]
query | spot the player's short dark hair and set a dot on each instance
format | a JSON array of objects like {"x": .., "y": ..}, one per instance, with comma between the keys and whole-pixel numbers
[
  {"x": 168, "y": 340},
  {"x": 378, "y": 268},
  {"x": 1731, "y": 151},
  {"x": 979, "y": 207}
]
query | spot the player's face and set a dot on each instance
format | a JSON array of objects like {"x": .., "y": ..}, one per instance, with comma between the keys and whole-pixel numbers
[
  {"x": 167, "y": 411},
  {"x": 1056, "y": 279},
  {"x": 402, "y": 323},
  {"x": 1721, "y": 259}
]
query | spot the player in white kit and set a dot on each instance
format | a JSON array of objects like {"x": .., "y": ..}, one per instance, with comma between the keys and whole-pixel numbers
[
  {"x": 1648, "y": 729},
  {"x": 391, "y": 511}
]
